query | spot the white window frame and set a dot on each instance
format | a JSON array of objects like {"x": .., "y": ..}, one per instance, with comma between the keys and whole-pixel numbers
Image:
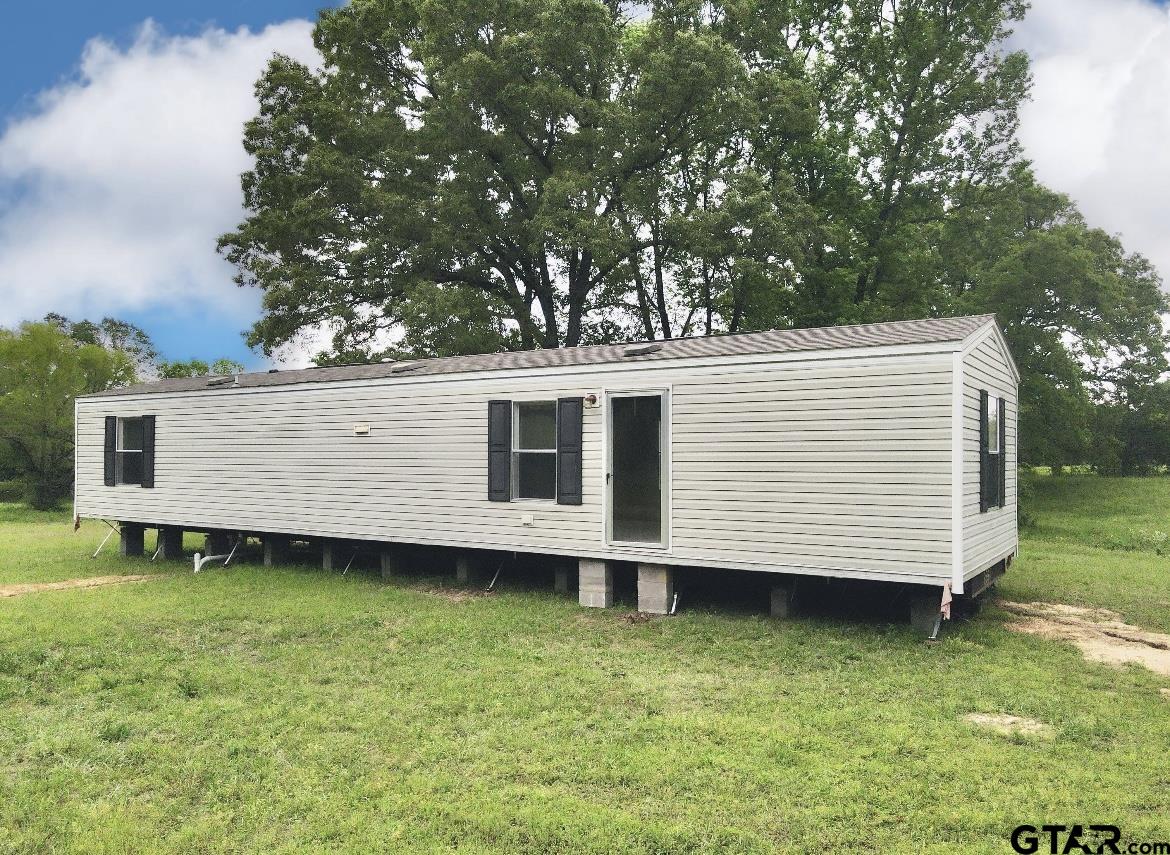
[
  {"x": 120, "y": 449},
  {"x": 517, "y": 451},
  {"x": 993, "y": 413}
]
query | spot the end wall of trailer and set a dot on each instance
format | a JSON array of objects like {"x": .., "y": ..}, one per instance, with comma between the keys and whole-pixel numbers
[{"x": 987, "y": 536}]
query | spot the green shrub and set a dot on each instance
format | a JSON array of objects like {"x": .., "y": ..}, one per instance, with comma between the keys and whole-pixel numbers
[{"x": 11, "y": 491}]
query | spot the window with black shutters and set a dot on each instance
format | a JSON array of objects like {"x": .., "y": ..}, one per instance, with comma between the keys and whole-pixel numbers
[
  {"x": 534, "y": 450},
  {"x": 129, "y": 451}
]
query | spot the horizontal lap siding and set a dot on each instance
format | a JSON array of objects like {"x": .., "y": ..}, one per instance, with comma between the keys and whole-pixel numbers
[
  {"x": 287, "y": 460},
  {"x": 840, "y": 465},
  {"x": 990, "y": 535}
]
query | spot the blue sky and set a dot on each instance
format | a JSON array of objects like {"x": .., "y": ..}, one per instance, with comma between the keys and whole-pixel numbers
[
  {"x": 40, "y": 42},
  {"x": 120, "y": 154},
  {"x": 41, "y": 45}
]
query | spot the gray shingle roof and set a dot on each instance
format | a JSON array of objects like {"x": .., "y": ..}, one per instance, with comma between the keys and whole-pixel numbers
[{"x": 928, "y": 331}]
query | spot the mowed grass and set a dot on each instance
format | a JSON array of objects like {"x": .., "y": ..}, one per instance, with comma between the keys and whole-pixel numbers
[
  {"x": 1128, "y": 514},
  {"x": 291, "y": 710},
  {"x": 1098, "y": 542}
]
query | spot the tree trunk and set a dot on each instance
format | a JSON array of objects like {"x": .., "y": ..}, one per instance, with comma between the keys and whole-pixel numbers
[
  {"x": 707, "y": 299},
  {"x": 660, "y": 285},
  {"x": 580, "y": 265},
  {"x": 643, "y": 298},
  {"x": 548, "y": 305}
]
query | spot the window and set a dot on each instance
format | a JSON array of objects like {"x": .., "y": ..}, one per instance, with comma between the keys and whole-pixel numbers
[
  {"x": 131, "y": 442},
  {"x": 992, "y": 454},
  {"x": 993, "y": 425},
  {"x": 534, "y": 450}
]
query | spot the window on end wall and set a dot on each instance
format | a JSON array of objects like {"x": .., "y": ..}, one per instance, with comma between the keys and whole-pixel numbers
[
  {"x": 992, "y": 451},
  {"x": 131, "y": 442},
  {"x": 534, "y": 450}
]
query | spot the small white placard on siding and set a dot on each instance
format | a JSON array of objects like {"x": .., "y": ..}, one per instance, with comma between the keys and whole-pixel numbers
[{"x": 361, "y": 429}]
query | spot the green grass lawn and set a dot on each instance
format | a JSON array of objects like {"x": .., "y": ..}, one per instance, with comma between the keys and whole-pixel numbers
[
  {"x": 1098, "y": 542},
  {"x": 290, "y": 710}
]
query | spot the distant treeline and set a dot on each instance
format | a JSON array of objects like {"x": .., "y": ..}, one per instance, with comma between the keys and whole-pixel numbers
[{"x": 43, "y": 367}]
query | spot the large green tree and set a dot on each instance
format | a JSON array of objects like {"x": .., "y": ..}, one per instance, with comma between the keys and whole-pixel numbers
[
  {"x": 483, "y": 149},
  {"x": 533, "y": 173},
  {"x": 1083, "y": 316},
  {"x": 42, "y": 370},
  {"x": 914, "y": 105}
]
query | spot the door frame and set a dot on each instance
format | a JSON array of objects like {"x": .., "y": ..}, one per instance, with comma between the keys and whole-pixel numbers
[{"x": 665, "y": 427}]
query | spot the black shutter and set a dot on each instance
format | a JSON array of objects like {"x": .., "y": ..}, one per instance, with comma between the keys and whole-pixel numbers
[
  {"x": 111, "y": 455},
  {"x": 148, "y": 451},
  {"x": 984, "y": 467},
  {"x": 570, "y": 413},
  {"x": 1002, "y": 498},
  {"x": 500, "y": 451}
]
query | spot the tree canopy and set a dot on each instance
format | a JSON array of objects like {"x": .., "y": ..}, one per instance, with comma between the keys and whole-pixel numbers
[
  {"x": 197, "y": 368},
  {"x": 43, "y": 367},
  {"x": 42, "y": 370},
  {"x": 469, "y": 177}
]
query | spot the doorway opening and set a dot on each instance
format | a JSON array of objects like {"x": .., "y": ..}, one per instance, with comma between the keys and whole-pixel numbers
[{"x": 636, "y": 475}]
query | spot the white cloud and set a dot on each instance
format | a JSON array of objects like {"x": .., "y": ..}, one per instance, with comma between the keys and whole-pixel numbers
[
  {"x": 114, "y": 189},
  {"x": 1098, "y": 125}
]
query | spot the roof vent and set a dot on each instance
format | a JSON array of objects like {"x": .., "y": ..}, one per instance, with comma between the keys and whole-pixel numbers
[
  {"x": 641, "y": 349},
  {"x": 341, "y": 364},
  {"x": 399, "y": 367},
  {"x": 223, "y": 381}
]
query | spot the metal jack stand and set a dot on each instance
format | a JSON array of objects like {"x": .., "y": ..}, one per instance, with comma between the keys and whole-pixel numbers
[{"x": 113, "y": 530}]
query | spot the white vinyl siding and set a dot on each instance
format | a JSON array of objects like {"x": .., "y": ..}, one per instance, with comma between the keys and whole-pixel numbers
[
  {"x": 989, "y": 536},
  {"x": 833, "y": 466}
]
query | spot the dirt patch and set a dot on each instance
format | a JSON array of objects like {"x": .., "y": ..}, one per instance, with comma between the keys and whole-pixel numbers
[
  {"x": 68, "y": 584},
  {"x": 1009, "y": 725},
  {"x": 636, "y": 617},
  {"x": 1165, "y": 693},
  {"x": 1100, "y": 634},
  {"x": 457, "y": 595}
]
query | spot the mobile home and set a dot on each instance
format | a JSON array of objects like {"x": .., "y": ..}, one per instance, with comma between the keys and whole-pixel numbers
[{"x": 881, "y": 452}]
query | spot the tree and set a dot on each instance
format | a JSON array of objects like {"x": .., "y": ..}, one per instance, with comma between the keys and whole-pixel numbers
[
  {"x": 586, "y": 172},
  {"x": 1082, "y": 316},
  {"x": 1132, "y": 436},
  {"x": 197, "y": 368},
  {"x": 112, "y": 334},
  {"x": 41, "y": 371},
  {"x": 475, "y": 152},
  {"x": 530, "y": 173}
]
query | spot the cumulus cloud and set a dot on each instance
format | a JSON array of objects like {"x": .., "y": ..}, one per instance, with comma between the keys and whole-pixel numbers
[
  {"x": 115, "y": 187},
  {"x": 1098, "y": 125}
]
